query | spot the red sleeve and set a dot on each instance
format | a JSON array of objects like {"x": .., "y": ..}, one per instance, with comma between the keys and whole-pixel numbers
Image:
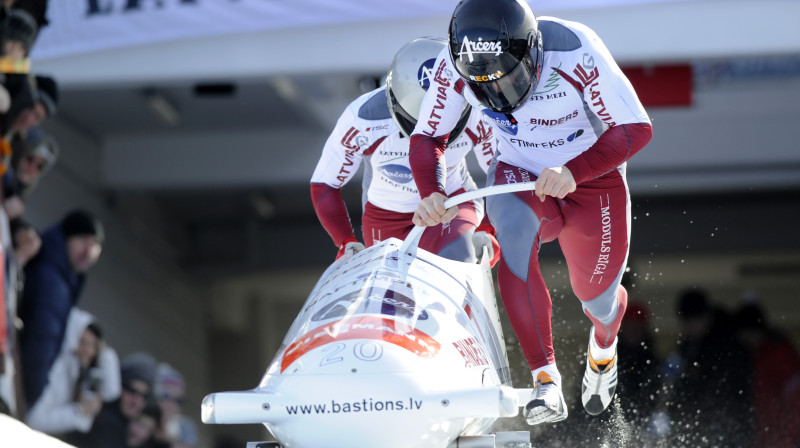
[
  {"x": 615, "y": 146},
  {"x": 332, "y": 213},
  {"x": 425, "y": 154}
]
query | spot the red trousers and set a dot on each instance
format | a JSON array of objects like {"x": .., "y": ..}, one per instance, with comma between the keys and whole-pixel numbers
[{"x": 592, "y": 225}]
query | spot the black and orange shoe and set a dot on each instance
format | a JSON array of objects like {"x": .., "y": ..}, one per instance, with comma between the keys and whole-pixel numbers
[
  {"x": 547, "y": 403},
  {"x": 599, "y": 381}
]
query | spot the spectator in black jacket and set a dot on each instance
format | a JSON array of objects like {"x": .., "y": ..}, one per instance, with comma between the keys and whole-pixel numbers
[{"x": 54, "y": 281}]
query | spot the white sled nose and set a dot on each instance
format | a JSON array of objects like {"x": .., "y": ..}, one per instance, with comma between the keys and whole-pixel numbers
[
  {"x": 236, "y": 407},
  {"x": 379, "y": 416},
  {"x": 255, "y": 406}
]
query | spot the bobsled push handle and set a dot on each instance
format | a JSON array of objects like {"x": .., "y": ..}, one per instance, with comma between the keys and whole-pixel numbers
[{"x": 413, "y": 237}]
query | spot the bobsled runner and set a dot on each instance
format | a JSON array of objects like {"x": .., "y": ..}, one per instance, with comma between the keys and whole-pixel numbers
[{"x": 394, "y": 347}]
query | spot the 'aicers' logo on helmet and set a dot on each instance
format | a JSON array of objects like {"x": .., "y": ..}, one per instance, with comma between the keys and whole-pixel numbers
[
  {"x": 470, "y": 48},
  {"x": 398, "y": 173},
  {"x": 506, "y": 122},
  {"x": 425, "y": 73}
]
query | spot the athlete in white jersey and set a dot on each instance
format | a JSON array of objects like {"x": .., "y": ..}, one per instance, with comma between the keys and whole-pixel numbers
[
  {"x": 374, "y": 130},
  {"x": 565, "y": 116}
]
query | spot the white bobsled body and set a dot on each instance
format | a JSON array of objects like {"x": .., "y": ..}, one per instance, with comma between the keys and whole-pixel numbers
[{"x": 393, "y": 348}]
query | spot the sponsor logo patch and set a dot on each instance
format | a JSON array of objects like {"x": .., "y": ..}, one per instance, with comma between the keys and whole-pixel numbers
[
  {"x": 397, "y": 173},
  {"x": 487, "y": 78},
  {"x": 604, "y": 256},
  {"x": 470, "y": 48},
  {"x": 589, "y": 76},
  {"x": 552, "y": 81},
  {"x": 575, "y": 135},
  {"x": 552, "y": 121},
  {"x": 352, "y": 139},
  {"x": 505, "y": 122},
  {"x": 425, "y": 73}
]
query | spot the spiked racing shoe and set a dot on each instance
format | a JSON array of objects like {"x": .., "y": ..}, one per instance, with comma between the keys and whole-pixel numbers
[
  {"x": 547, "y": 402},
  {"x": 599, "y": 381}
]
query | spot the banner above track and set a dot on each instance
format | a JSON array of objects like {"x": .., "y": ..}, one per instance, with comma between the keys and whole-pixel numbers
[{"x": 86, "y": 26}]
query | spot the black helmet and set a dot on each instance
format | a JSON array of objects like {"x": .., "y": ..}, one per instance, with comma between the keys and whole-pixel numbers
[
  {"x": 18, "y": 25},
  {"x": 409, "y": 78},
  {"x": 497, "y": 48}
]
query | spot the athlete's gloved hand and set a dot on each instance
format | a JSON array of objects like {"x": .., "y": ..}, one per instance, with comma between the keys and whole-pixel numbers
[
  {"x": 484, "y": 237},
  {"x": 349, "y": 247}
]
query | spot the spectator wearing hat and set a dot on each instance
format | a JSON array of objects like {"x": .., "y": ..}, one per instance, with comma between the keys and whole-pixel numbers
[
  {"x": 37, "y": 9},
  {"x": 110, "y": 428},
  {"x": 54, "y": 280},
  {"x": 138, "y": 379},
  {"x": 32, "y": 157},
  {"x": 25, "y": 114},
  {"x": 17, "y": 35},
  {"x": 176, "y": 430}
]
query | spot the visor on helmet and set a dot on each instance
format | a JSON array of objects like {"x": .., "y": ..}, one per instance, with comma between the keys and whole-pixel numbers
[
  {"x": 405, "y": 121},
  {"x": 509, "y": 91}
]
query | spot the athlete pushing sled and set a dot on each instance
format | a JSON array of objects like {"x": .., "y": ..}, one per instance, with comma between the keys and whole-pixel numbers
[{"x": 565, "y": 116}]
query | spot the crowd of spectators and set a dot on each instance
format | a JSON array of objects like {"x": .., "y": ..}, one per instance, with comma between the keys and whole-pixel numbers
[{"x": 58, "y": 373}]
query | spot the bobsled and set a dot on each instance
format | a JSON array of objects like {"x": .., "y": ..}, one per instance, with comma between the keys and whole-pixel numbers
[{"x": 394, "y": 347}]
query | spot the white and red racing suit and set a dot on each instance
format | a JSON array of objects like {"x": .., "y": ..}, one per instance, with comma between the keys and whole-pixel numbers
[
  {"x": 366, "y": 132},
  {"x": 584, "y": 115}
]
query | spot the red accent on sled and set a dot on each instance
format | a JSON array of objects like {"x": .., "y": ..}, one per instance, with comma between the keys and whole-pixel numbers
[{"x": 365, "y": 327}]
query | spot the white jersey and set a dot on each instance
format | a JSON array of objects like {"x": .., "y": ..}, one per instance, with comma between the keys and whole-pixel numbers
[
  {"x": 581, "y": 92},
  {"x": 367, "y": 132}
]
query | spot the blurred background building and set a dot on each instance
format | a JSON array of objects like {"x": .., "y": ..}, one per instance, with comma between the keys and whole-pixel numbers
[{"x": 192, "y": 128}]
